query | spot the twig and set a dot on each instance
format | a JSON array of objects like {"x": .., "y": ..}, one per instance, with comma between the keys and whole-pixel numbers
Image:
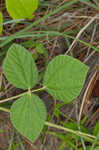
[
  {"x": 70, "y": 15},
  {"x": 93, "y": 34},
  {"x": 92, "y": 53},
  {"x": 81, "y": 31},
  {"x": 85, "y": 97}
]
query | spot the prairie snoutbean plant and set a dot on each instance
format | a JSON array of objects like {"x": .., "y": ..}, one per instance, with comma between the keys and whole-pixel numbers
[{"x": 63, "y": 79}]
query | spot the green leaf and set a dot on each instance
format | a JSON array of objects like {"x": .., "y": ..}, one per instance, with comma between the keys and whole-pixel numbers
[
  {"x": 19, "y": 9},
  {"x": 19, "y": 67},
  {"x": 40, "y": 48},
  {"x": 28, "y": 116},
  {"x": 29, "y": 44},
  {"x": 1, "y": 21},
  {"x": 65, "y": 77},
  {"x": 35, "y": 56}
]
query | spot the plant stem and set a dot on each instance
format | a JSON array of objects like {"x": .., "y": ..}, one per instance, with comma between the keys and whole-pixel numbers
[
  {"x": 40, "y": 89},
  {"x": 4, "y": 109},
  {"x": 86, "y": 136},
  {"x": 17, "y": 96},
  {"x": 78, "y": 133},
  {"x": 13, "y": 97}
]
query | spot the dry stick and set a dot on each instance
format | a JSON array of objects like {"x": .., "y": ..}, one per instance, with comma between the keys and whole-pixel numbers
[
  {"x": 0, "y": 80},
  {"x": 54, "y": 45},
  {"x": 92, "y": 117},
  {"x": 70, "y": 15},
  {"x": 83, "y": 17},
  {"x": 93, "y": 34},
  {"x": 85, "y": 95},
  {"x": 93, "y": 52},
  {"x": 81, "y": 31}
]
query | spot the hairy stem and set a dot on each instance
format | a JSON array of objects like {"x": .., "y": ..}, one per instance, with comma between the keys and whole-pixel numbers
[
  {"x": 4, "y": 109},
  {"x": 86, "y": 136},
  {"x": 17, "y": 96}
]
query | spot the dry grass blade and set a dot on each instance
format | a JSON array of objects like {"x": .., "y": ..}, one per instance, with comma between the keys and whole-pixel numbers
[
  {"x": 81, "y": 31},
  {"x": 87, "y": 94}
]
